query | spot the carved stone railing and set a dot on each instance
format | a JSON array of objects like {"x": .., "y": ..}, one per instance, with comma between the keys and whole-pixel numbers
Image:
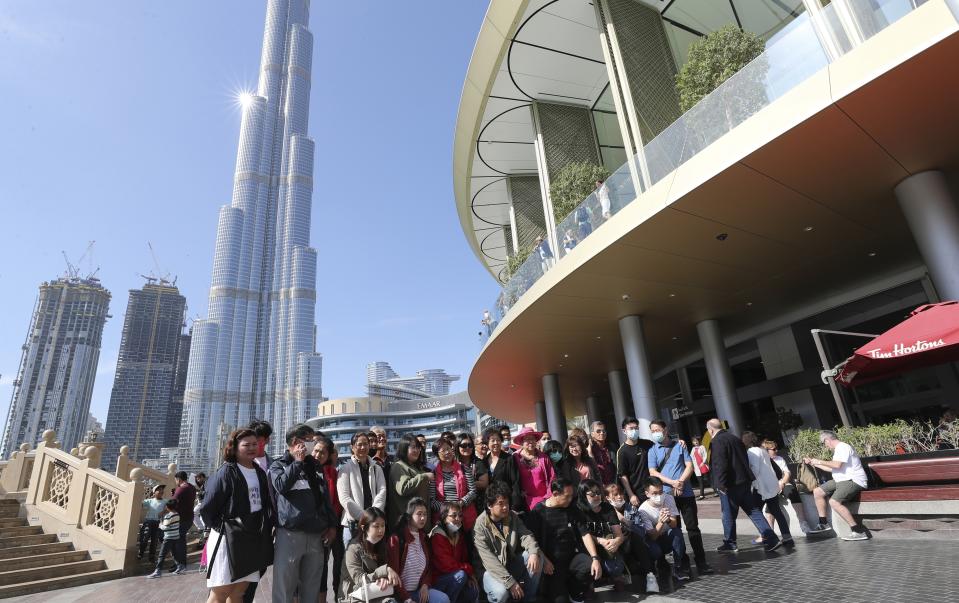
[
  {"x": 149, "y": 476},
  {"x": 17, "y": 471},
  {"x": 97, "y": 511}
]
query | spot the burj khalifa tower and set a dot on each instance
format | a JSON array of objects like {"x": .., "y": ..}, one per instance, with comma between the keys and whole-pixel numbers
[{"x": 254, "y": 356}]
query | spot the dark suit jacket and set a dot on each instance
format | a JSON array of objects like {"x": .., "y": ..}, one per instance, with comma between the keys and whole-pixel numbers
[{"x": 728, "y": 462}]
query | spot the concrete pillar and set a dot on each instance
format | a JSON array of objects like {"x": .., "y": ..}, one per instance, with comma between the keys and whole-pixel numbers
[
  {"x": 555, "y": 417},
  {"x": 933, "y": 218},
  {"x": 593, "y": 410},
  {"x": 541, "y": 420},
  {"x": 637, "y": 368},
  {"x": 618, "y": 392},
  {"x": 721, "y": 382},
  {"x": 685, "y": 389}
]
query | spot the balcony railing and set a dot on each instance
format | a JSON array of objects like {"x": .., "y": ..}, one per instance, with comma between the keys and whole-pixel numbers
[{"x": 795, "y": 53}]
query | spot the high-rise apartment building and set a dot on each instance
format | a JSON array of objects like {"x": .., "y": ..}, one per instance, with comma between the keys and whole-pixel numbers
[
  {"x": 174, "y": 417},
  {"x": 143, "y": 388},
  {"x": 55, "y": 381},
  {"x": 254, "y": 355},
  {"x": 383, "y": 382}
]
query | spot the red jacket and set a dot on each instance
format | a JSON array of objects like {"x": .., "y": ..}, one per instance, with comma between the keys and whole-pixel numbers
[
  {"x": 396, "y": 559},
  {"x": 459, "y": 476},
  {"x": 329, "y": 472},
  {"x": 448, "y": 557}
]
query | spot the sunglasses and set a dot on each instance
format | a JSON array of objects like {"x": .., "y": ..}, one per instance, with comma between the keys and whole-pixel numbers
[{"x": 466, "y": 445}]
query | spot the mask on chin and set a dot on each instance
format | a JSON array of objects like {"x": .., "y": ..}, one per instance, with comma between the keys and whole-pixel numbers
[
  {"x": 618, "y": 504},
  {"x": 452, "y": 528}
]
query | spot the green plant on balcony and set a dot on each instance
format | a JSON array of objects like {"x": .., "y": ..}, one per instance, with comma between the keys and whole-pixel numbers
[
  {"x": 515, "y": 261},
  {"x": 572, "y": 184},
  {"x": 713, "y": 59}
]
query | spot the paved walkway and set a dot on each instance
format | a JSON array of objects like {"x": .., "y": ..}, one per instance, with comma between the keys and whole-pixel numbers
[{"x": 816, "y": 570}]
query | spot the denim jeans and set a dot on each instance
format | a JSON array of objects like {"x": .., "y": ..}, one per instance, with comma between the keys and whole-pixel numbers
[
  {"x": 670, "y": 540},
  {"x": 496, "y": 591},
  {"x": 741, "y": 497},
  {"x": 457, "y": 587},
  {"x": 436, "y": 596}
]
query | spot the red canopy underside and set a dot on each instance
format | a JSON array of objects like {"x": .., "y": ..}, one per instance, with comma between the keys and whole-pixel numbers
[{"x": 928, "y": 337}]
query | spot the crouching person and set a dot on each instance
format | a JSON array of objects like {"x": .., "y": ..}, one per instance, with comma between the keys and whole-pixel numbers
[
  {"x": 452, "y": 572},
  {"x": 366, "y": 576},
  {"x": 635, "y": 551},
  {"x": 409, "y": 556},
  {"x": 661, "y": 520},
  {"x": 507, "y": 549},
  {"x": 571, "y": 559}
]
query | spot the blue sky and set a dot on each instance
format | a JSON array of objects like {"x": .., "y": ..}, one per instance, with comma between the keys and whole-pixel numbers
[{"x": 119, "y": 125}]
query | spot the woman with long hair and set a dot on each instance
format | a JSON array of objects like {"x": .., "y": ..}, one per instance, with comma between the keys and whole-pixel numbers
[
  {"x": 452, "y": 482},
  {"x": 602, "y": 521},
  {"x": 535, "y": 469},
  {"x": 360, "y": 484},
  {"x": 576, "y": 465},
  {"x": 452, "y": 571},
  {"x": 324, "y": 452},
  {"x": 409, "y": 554},
  {"x": 465, "y": 447},
  {"x": 239, "y": 511},
  {"x": 409, "y": 478},
  {"x": 365, "y": 561}
]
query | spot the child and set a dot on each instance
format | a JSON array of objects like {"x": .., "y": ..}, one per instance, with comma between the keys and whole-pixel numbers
[
  {"x": 636, "y": 550},
  {"x": 170, "y": 526},
  {"x": 660, "y": 519}
]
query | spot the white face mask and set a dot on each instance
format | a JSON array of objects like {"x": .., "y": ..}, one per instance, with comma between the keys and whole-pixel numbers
[
  {"x": 618, "y": 504},
  {"x": 656, "y": 500},
  {"x": 632, "y": 434},
  {"x": 452, "y": 528}
]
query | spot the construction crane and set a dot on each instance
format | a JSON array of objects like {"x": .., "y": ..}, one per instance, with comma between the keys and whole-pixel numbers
[
  {"x": 161, "y": 277},
  {"x": 73, "y": 270}
]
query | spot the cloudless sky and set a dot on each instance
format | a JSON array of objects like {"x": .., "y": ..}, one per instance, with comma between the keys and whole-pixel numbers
[{"x": 118, "y": 123}]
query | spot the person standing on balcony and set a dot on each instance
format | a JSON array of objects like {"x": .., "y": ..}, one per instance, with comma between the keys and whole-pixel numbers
[
  {"x": 602, "y": 195},
  {"x": 569, "y": 241},
  {"x": 583, "y": 221},
  {"x": 360, "y": 485},
  {"x": 487, "y": 322},
  {"x": 545, "y": 253},
  {"x": 848, "y": 480},
  {"x": 305, "y": 524},
  {"x": 599, "y": 451},
  {"x": 153, "y": 509}
]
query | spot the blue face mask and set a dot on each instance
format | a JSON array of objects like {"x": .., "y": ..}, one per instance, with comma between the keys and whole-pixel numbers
[
  {"x": 555, "y": 456},
  {"x": 658, "y": 437},
  {"x": 633, "y": 434}
]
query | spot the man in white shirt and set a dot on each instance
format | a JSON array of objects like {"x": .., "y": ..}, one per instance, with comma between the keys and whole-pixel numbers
[{"x": 848, "y": 480}]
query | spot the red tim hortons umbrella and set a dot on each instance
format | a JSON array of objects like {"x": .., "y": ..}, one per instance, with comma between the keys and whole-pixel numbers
[{"x": 928, "y": 337}]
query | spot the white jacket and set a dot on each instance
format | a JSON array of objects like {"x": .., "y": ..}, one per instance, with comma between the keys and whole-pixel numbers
[
  {"x": 349, "y": 487},
  {"x": 765, "y": 483}
]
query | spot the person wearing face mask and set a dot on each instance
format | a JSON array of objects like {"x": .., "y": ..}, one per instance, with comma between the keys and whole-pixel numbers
[
  {"x": 575, "y": 465},
  {"x": 554, "y": 450},
  {"x": 673, "y": 465},
  {"x": 365, "y": 561},
  {"x": 504, "y": 437},
  {"x": 660, "y": 519},
  {"x": 635, "y": 551},
  {"x": 631, "y": 465},
  {"x": 570, "y": 553},
  {"x": 452, "y": 572},
  {"x": 603, "y": 523}
]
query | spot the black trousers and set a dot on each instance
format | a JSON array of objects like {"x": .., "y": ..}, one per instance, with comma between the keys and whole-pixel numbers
[
  {"x": 690, "y": 516},
  {"x": 637, "y": 556},
  {"x": 149, "y": 534},
  {"x": 570, "y": 580}
]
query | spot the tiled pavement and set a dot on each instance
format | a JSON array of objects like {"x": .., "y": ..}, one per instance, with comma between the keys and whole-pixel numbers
[{"x": 823, "y": 570}]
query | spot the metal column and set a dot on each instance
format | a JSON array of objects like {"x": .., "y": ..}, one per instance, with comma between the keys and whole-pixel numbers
[
  {"x": 933, "y": 219},
  {"x": 555, "y": 417},
  {"x": 637, "y": 368},
  {"x": 617, "y": 390},
  {"x": 593, "y": 411},
  {"x": 721, "y": 382},
  {"x": 541, "y": 420}
]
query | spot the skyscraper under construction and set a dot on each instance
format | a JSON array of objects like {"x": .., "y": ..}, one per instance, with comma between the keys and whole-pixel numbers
[{"x": 254, "y": 355}]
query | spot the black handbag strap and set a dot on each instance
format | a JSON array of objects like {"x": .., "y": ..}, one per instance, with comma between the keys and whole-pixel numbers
[
  {"x": 669, "y": 451},
  {"x": 210, "y": 558}
]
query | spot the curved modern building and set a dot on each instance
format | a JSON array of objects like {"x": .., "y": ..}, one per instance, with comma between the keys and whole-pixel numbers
[
  {"x": 341, "y": 418},
  {"x": 813, "y": 192},
  {"x": 254, "y": 355}
]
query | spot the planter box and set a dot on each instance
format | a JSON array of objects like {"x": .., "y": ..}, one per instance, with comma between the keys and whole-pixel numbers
[{"x": 936, "y": 467}]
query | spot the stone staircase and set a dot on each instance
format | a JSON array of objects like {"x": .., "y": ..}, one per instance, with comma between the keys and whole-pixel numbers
[{"x": 32, "y": 562}]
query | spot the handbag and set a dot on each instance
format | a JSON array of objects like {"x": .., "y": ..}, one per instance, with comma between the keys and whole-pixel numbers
[
  {"x": 700, "y": 462},
  {"x": 806, "y": 479},
  {"x": 249, "y": 549},
  {"x": 369, "y": 591}
]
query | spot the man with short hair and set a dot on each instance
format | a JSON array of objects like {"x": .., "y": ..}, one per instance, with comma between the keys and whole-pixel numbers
[
  {"x": 505, "y": 436},
  {"x": 733, "y": 479},
  {"x": 848, "y": 480},
  {"x": 305, "y": 523},
  {"x": 632, "y": 467},
  {"x": 381, "y": 455},
  {"x": 599, "y": 450},
  {"x": 508, "y": 550},
  {"x": 185, "y": 497},
  {"x": 671, "y": 463}
]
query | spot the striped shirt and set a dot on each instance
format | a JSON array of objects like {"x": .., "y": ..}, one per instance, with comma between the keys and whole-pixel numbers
[
  {"x": 415, "y": 564},
  {"x": 170, "y": 526},
  {"x": 449, "y": 487}
]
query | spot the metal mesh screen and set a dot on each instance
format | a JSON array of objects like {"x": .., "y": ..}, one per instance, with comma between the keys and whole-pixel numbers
[
  {"x": 528, "y": 207},
  {"x": 567, "y": 136},
  {"x": 648, "y": 63},
  {"x": 508, "y": 237}
]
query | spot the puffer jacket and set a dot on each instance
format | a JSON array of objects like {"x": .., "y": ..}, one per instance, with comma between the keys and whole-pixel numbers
[
  {"x": 496, "y": 549},
  {"x": 302, "y": 502}
]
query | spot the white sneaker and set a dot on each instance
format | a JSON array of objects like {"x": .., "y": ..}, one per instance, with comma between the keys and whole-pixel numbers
[
  {"x": 819, "y": 528},
  {"x": 652, "y": 584},
  {"x": 855, "y": 536},
  {"x": 155, "y": 574}
]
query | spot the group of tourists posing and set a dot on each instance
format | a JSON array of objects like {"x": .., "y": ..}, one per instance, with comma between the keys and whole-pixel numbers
[{"x": 544, "y": 519}]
